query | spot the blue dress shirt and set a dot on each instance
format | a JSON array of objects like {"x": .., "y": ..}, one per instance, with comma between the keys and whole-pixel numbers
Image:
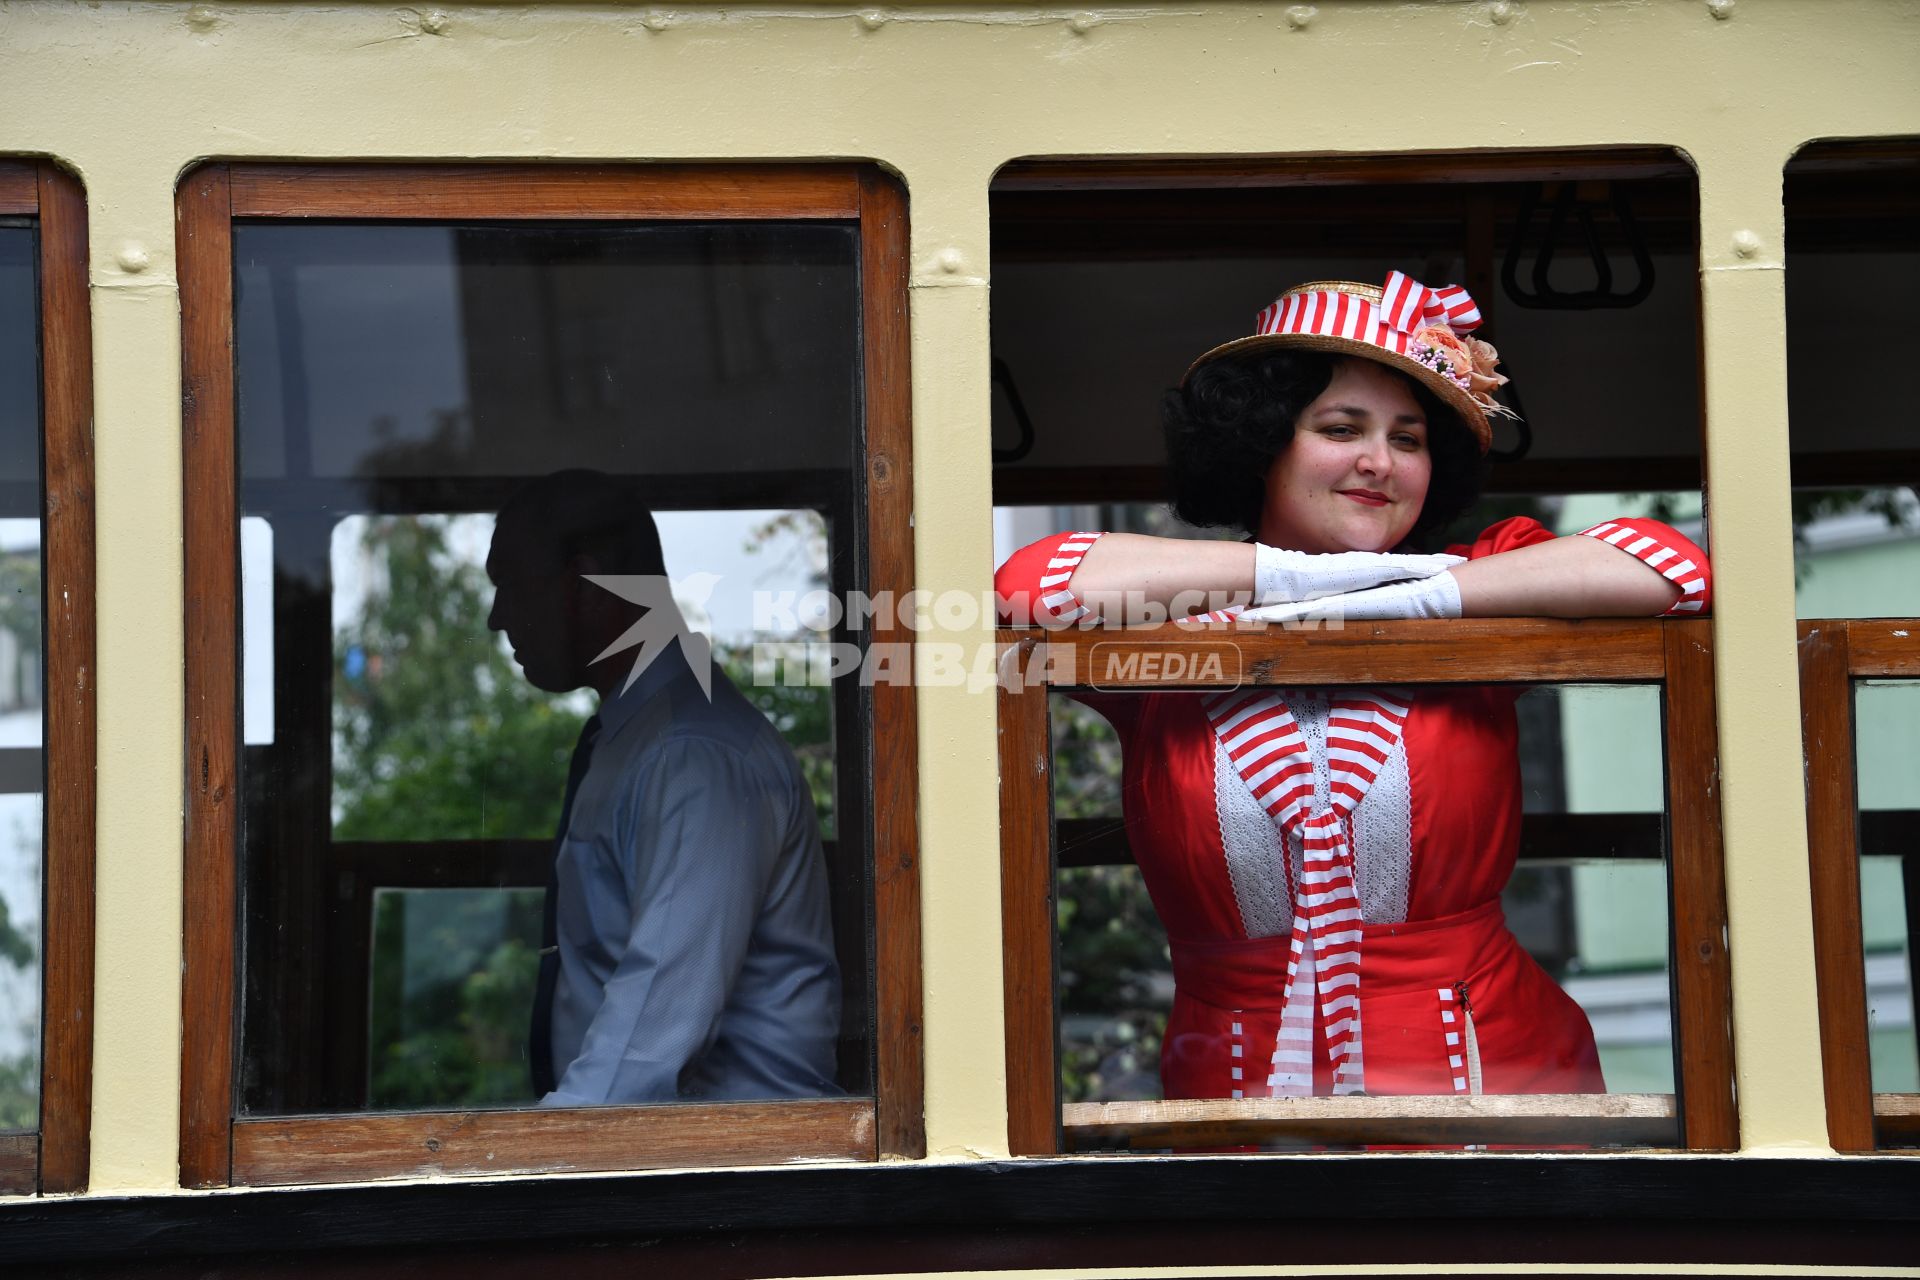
[{"x": 695, "y": 941}]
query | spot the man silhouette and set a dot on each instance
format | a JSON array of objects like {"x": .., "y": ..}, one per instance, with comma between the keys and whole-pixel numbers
[{"x": 688, "y": 950}]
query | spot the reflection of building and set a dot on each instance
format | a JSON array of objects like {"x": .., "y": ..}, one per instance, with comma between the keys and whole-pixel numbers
[{"x": 19, "y": 631}]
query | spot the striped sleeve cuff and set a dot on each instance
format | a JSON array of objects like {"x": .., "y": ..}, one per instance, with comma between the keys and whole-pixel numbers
[
  {"x": 1652, "y": 543},
  {"x": 1056, "y": 605},
  {"x": 1213, "y": 618}
]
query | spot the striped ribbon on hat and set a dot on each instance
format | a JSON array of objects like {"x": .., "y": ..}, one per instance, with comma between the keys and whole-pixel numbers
[
  {"x": 1264, "y": 742},
  {"x": 1405, "y": 307}
]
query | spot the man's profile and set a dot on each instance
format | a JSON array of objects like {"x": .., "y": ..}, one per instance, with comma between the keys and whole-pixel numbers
[{"x": 688, "y": 950}]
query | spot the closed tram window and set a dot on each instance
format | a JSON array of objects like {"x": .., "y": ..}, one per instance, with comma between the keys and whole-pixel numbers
[
  {"x": 22, "y": 935},
  {"x": 534, "y": 527},
  {"x": 398, "y": 384}
]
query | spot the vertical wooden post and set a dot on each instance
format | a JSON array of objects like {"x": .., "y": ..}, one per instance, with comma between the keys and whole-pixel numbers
[
  {"x": 1703, "y": 991},
  {"x": 900, "y": 1084},
  {"x": 1826, "y": 719},
  {"x": 205, "y": 248},
  {"x": 1027, "y": 910},
  {"x": 66, "y": 326}
]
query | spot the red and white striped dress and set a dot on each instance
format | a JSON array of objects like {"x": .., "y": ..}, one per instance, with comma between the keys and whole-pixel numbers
[{"x": 1347, "y": 846}]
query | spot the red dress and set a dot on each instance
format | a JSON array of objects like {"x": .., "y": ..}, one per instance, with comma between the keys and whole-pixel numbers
[{"x": 1413, "y": 983}]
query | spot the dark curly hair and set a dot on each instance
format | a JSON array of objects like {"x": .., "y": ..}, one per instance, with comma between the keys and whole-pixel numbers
[{"x": 1235, "y": 415}]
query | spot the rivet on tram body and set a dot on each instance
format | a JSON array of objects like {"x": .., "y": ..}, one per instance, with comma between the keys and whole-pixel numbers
[
  {"x": 1081, "y": 23},
  {"x": 133, "y": 257},
  {"x": 656, "y": 21},
  {"x": 434, "y": 22},
  {"x": 873, "y": 19},
  {"x": 1503, "y": 12},
  {"x": 1301, "y": 15},
  {"x": 1721, "y": 9},
  {"x": 202, "y": 17},
  {"x": 1746, "y": 244},
  {"x": 950, "y": 261}
]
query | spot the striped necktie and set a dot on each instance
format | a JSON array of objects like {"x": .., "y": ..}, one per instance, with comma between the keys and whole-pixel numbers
[{"x": 1272, "y": 757}]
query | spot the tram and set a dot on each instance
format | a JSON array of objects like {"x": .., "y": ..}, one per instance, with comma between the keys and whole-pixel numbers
[{"x": 298, "y": 301}]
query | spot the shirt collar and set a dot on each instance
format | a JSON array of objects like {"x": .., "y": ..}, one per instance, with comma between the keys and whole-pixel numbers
[{"x": 668, "y": 667}]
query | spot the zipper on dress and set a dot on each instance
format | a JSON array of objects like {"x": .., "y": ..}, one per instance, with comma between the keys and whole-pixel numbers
[{"x": 1472, "y": 1040}]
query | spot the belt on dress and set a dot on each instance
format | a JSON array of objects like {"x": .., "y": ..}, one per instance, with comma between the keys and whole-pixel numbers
[{"x": 1250, "y": 974}]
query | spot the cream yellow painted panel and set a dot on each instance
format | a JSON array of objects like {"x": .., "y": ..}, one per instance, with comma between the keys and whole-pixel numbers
[{"x": 132, "y": 94}]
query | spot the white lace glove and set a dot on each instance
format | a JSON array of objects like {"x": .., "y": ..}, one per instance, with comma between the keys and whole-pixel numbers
[
  {"x": 1292, "y": 577},
  {"x": 1433, "y": 597}
]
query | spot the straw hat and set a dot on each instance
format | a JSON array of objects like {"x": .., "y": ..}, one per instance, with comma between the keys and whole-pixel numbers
[{"x": 1404, "y": 325}]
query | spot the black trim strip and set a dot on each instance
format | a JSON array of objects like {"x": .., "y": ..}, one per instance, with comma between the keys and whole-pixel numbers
[{"x": 821, "y": 1220}]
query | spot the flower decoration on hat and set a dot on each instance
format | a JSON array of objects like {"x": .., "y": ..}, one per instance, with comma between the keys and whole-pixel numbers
[{"x": 1437, "y": 347}]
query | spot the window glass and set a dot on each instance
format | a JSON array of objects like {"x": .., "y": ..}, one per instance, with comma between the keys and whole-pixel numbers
[
  {"x": 1851, "y": 254},
  {"x": 21, "y": 717},
  {"x": 1585, "y": 902},
  {"x": 1887, "y": 758},
  {"x": 437, "y": 618}
]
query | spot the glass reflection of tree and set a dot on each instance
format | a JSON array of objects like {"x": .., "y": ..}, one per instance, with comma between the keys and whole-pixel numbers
[
  {"x": 19, "y": 689},
  {"x": 19, "y": 1075},
  {"x": 437, "y": 737}
]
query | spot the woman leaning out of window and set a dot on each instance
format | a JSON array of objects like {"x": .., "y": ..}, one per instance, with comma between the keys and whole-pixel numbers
[{"x": 1328, "y": 863}]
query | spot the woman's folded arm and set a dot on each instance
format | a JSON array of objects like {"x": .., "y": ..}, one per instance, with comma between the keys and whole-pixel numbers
[
  {"x": 1629, "y": 567},
  {"x": 1626, "y": 568}
]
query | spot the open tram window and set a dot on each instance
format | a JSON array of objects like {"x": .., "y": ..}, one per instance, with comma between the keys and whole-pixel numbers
[
  {"x": 22, "y": 939},
  {"x": 1110, "y": 278},
  {"x": 527, "y": 479},
  {"x": 46, "y": 682},
  {"x": 1588, "y": 795},
  {"x": 1853, "y": 249},
  {"x": 1852, "y": 211},
  {"x": 1586, "y": 900}
]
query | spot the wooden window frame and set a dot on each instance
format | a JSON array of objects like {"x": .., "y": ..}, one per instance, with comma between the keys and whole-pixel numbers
[
  {"x": 218, "y": 1149},
  {"x": 1676, "y": 655},
  {"x": 55, "y": 1158},
  {"x": 1834, "y": 653}
]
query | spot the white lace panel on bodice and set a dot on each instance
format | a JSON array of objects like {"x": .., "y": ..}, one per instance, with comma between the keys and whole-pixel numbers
[
  {"x": 1263, "y": 890},
  {"x": 1382, "y": 832}
]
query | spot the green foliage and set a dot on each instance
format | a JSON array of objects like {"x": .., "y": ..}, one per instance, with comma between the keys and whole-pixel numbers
[
  {"x": 452, "y": 996},
  {"x": 15, "y": 947},
  {"x": 1114, "y": 967},
  {"x": 19, "y": 1076},
  {"x": 436, "y": 735}
]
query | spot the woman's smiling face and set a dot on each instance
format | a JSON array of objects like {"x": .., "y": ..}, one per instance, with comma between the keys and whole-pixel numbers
[{"x": 1355, "y": 475}]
